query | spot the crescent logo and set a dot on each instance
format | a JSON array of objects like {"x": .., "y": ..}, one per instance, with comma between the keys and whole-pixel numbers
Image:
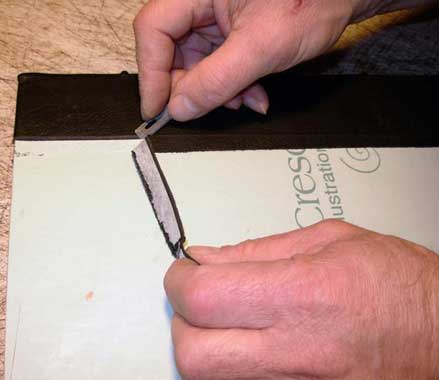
[{"x": 362, "y": 160}]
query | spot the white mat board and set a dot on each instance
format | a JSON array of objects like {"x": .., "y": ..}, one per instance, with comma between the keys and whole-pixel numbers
[{"x": 87, "y": 258}]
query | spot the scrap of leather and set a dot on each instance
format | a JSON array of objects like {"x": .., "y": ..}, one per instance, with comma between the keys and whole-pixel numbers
[{"x": 160, "y": 196}]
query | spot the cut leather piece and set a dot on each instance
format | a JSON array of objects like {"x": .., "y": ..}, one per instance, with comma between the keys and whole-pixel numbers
[{"x": 161, "y": 198}]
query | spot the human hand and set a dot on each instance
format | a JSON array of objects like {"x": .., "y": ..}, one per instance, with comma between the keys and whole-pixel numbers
[
  {"x": 331, "y": 301},
  {"x": 201, "y": 54},
  {"x": 206, "y": 53}
]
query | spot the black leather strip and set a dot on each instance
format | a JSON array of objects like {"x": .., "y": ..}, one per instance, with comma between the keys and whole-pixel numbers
[{"x": 307, "y": 111}]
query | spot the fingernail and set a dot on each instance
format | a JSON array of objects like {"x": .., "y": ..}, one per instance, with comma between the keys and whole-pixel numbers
[
  {"x": 202, "y": 250},
  {"x": 183, "y": 108},
  {"x": 256, "y": 104}
]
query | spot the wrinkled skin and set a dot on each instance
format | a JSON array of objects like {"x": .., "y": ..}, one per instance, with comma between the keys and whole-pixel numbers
[
  {"x": 331, "y": 301},
  {"x": 201, "y": 54}
]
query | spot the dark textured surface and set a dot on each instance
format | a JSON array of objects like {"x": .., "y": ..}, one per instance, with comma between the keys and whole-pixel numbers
[
  {"x": 410, "y": 47},
  {"x": 306, "y": 111}
]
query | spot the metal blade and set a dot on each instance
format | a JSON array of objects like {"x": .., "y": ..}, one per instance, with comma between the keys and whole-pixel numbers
[{"x": 148, "y": 128}]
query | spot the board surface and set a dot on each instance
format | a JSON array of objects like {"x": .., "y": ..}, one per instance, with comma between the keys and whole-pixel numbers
[{"x": 87, "y": 257}]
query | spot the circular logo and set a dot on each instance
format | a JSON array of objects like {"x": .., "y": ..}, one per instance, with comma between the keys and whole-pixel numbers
[{"x": 362, "y": 160}]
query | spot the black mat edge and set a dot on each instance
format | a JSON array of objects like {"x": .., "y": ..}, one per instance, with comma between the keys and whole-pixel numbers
[{"x": 307, "y": 111}]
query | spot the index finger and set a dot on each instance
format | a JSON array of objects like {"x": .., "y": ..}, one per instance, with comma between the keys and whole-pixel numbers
[
  {"x": 305, "y": 241},
  {"x": 157, "y": 26}
]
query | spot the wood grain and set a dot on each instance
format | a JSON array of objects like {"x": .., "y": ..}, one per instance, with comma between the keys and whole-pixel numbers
[
  {"x": 80, "y": 36},
  {"x": 58, "y": 36}
]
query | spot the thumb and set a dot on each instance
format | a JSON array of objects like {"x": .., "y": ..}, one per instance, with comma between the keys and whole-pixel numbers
[
  {"x": 306, "y": 241},
  {"x": 218, "y": 78}
]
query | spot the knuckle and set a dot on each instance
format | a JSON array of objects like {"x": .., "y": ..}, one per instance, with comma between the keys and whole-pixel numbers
[
  {"x": 236, "y": 249},
  {"x": 140, "y": 19},
  {"x": 145, "y": 16},
  {"x": 334, "y": 227},
  {"x": 244, "y": 248}
]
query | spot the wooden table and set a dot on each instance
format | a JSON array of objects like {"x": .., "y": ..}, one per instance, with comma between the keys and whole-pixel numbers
[{"x": 79, "y": 36}]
